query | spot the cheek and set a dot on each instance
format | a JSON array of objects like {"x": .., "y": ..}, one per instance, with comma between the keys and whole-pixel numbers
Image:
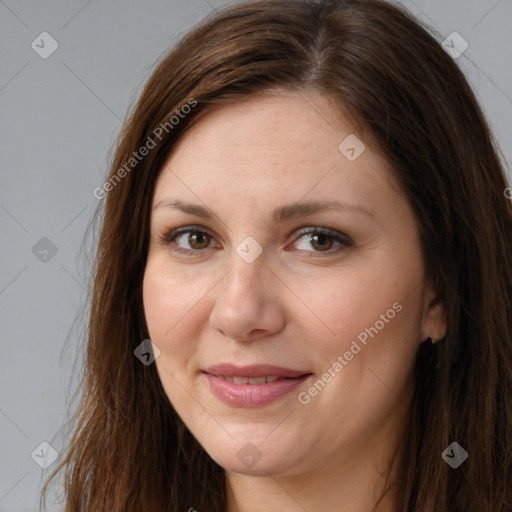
[
  {"x": 375, "y": 328},
  {"x": 355, "y": 302},
  {"x": 159, "y": 305},
  {"x": 166, "y": 306},
  {"x": 373, "y": 319},
  {"x": 168, "y": 298},
  {"x": 176, "y": 306}
]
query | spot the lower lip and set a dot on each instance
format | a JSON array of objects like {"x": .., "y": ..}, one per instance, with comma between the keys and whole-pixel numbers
[{"x": 252, "y": 395}]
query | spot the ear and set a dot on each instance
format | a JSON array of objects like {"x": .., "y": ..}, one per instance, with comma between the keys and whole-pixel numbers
[{"x": 434, "y": 320}]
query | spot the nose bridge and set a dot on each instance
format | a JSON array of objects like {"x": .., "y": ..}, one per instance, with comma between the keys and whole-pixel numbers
[
  {"x": 247, "y": 257},
  {"x": 247, "y": 271},
  {"x": 244, "y": 305}
]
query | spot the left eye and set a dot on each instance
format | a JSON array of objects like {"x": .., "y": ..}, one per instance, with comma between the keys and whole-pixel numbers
[
  {"x": 324, "y": 239},
  {"x": 321, "y": 239}
]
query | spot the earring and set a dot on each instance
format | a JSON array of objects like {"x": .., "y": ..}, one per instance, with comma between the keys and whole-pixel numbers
[{"x": 433, "y": 341}]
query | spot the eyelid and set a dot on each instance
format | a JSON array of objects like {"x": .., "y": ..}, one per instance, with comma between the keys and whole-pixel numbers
[
  {"x": 170, "y": 235},
  {"x": 333, "y": 233}
]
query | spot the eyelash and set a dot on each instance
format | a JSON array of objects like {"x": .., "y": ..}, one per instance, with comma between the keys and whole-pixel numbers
[{"x": 168, "y": 238}]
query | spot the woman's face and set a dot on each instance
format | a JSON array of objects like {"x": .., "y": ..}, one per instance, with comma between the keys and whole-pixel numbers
[{"x": 333, "y": 302}]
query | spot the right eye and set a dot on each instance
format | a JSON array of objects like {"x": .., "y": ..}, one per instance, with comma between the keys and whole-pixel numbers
[{"x": 197, "y": 239}]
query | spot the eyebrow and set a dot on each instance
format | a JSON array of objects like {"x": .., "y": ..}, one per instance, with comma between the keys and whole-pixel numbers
[{"x": 280, "y": 214}]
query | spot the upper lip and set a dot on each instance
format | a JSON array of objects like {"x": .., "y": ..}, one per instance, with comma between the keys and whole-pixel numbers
[{"x": 256, "y": 370}]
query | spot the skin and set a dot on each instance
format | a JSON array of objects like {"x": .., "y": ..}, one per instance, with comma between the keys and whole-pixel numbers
[{"x": 299, "y": 304}]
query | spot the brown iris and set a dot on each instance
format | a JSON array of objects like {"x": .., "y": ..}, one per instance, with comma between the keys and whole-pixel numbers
[
  {"x": 199, "y": 237},
  {"x": 322, "y": 239}
]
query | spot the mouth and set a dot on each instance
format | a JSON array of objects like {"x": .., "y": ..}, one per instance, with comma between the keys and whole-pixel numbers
[
  {"x": 251, "y": 380},
  {"x": 253, "y": 386}
]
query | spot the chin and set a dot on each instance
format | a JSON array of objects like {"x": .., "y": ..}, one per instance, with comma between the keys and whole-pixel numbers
[
  {"x": 250, "y": 467},
  {"x": 256, "y": 458}
]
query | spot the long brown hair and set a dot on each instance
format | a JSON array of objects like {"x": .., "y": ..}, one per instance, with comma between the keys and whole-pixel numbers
[{"x": 129, "y": 450}]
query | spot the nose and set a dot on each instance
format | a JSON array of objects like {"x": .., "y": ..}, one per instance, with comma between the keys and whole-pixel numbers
[{"x": 248, "y": 306}]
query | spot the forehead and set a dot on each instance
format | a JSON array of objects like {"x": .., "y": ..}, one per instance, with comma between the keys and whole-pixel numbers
[{"x": 274, "y": 149}]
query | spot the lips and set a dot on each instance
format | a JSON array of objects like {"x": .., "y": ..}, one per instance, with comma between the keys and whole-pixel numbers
[
  {"x": 251, "y": 380},
  {"x": 254, "y": 371},
  {"x": 252, "y": 386}
]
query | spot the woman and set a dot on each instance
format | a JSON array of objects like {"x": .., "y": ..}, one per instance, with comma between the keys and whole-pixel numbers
[{"x": 302, "y": 286}]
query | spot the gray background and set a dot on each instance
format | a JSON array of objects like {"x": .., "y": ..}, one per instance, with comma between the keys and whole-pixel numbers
[{"x": 59, "y": 118}]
